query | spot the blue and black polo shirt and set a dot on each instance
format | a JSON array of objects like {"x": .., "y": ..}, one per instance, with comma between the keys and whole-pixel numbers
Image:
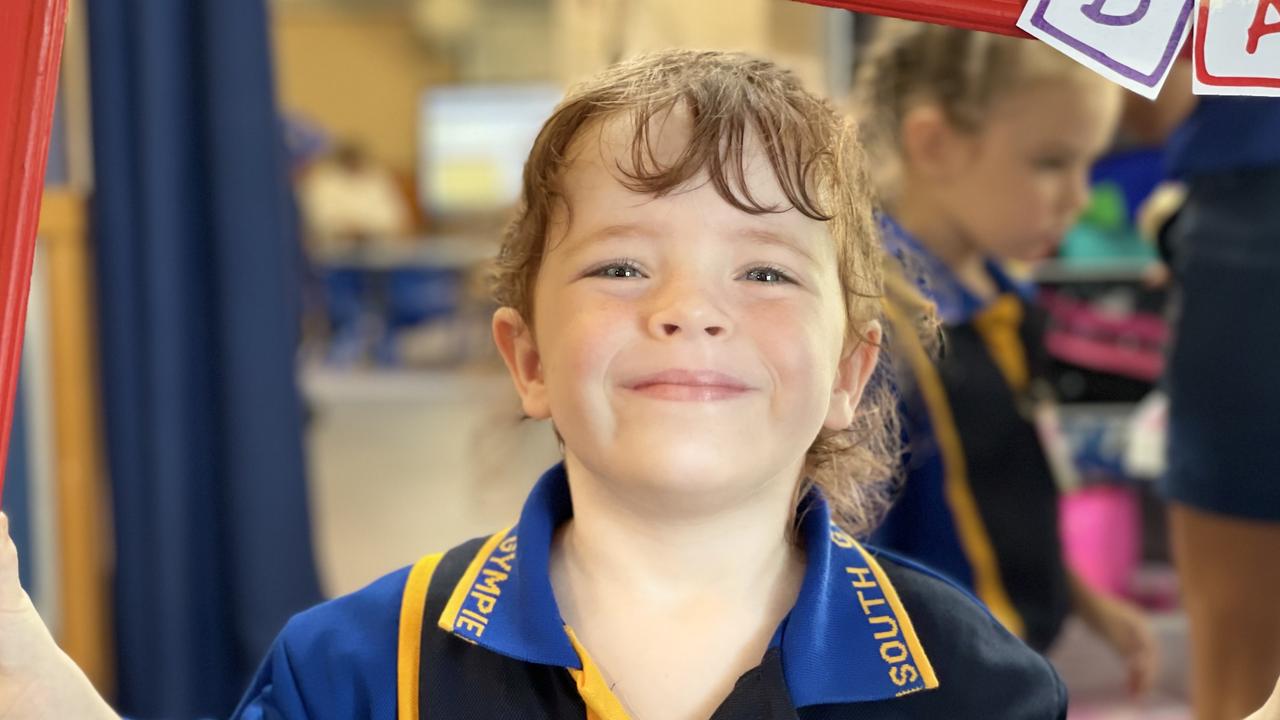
[
  {"x": 475, "y": 633},
  {"x": 980, "y": 502}
]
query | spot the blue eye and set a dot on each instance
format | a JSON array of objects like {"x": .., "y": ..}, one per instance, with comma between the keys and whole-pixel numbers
[
  {"x": 767, "y": 275},
  {"x": 619, "y": 269}
]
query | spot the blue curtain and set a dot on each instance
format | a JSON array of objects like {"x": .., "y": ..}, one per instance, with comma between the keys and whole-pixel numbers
[
  {"x": 17, "y": 498},
  {"x": 195, "y": 242}
]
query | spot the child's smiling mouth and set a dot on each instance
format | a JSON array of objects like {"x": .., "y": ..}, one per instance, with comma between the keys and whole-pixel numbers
[{"x": 689, "y": 385}]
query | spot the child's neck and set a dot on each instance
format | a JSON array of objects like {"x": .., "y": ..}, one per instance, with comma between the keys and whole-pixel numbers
[
  {"x": 671, "y": 551},
  {"x": 646, "y": 589},
  {"x": 946, "y": 242}
]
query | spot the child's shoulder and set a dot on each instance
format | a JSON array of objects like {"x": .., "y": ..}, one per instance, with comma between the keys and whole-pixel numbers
[
  {"x": 335, "y": 660},
  {"x": 338, "y": 659},
  {"x": 980, "y": 665},
  {"x": 352, "y": 622},
  {"x": 368, "y": 619}
]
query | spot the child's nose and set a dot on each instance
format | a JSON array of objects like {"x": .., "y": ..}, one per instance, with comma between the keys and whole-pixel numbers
[
  {"x": 1077, "y": 194},
  {"x": 674, "y": 329},
  {"x": 688, "y": 313}
]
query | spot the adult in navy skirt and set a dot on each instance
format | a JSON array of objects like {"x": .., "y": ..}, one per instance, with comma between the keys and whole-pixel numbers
[{"x": 1223, "y": 378}]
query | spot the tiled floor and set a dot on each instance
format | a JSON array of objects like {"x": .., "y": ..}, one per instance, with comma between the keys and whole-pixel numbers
[{"x": 406, "y": 465}]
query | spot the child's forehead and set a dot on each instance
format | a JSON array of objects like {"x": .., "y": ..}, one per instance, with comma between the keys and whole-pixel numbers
[
  {"x": 665, "y": 135},
  {"x": 605, "y": 157},
  {"x": 1063, "y": 111}
]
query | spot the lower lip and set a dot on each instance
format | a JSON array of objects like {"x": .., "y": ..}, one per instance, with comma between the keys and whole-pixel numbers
[{"x": 690, "y": 393}]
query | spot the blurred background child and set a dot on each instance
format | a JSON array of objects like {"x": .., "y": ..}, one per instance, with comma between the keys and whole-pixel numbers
[{"x": 985, "y": 145}]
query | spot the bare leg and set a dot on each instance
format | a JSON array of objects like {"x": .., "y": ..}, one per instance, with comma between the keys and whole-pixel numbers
[
  {"x": 1230, "y": 574},
  {"x": 1270, "y": 711}
]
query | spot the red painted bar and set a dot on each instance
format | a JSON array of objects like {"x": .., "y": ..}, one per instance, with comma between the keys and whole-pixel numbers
[
  {"x": 997, "y": 16},
  {"x": 31, "y": 34}
]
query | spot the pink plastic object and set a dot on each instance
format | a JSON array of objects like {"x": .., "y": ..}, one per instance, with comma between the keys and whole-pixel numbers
[{"x": 1101, "y": 530}]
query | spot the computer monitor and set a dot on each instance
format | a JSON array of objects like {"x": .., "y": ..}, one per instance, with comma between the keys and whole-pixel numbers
[{"x": 473, "y": 142}]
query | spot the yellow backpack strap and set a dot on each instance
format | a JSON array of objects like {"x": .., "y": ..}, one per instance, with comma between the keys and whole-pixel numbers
[{"x": 408, "y": 656}]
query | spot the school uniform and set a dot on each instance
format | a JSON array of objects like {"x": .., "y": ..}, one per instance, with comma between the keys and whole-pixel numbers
[
  {"x": 979, "y": 502},
  {"x": 475, "y": 633}
]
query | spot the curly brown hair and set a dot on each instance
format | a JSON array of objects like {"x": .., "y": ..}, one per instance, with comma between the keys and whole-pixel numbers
[{"x": 818, "y": 163}]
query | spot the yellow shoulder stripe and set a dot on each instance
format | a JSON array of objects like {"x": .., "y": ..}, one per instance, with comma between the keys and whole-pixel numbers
[
  {"x": 974, "y": 540},
  {"x": 449, "y": 617},
  {"x": 412, "y": 606},
  {"x": 904, "y": 621}
]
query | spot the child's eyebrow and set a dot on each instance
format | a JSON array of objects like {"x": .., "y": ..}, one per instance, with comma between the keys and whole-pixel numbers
[
  {"x": 769, "y": 237},
  {"x": 621, "y": 230},
  {"x": 642, "y": 231},
  {"x": 609, "y": 232}
]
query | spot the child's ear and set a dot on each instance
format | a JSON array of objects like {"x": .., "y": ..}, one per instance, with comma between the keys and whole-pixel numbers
[
  {"x": 856, "y": 365},
  {"x": 514, "y": 339},
  {"x": 931, "y": 145}
]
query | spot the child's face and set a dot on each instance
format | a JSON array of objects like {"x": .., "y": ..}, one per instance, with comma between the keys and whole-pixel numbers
[
  {"x": 1024, "y": 178},
  {"x": 679, "y": 343}
]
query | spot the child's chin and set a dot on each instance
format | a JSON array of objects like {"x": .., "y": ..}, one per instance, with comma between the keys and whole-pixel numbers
[{"x": 690, "y": 472}]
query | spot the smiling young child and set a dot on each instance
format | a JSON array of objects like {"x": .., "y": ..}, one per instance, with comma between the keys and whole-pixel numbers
[{"x": 691, "y": 296}]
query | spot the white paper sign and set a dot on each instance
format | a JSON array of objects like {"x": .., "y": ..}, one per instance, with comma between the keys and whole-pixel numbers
[
  {"x": 1131, "y": 42},
  {"x": 1237, "y": 48}
]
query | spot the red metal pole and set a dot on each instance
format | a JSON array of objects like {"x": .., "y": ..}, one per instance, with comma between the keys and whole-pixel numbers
[
  {"x": 997, "y": 16},
  {"x": 31, "y": 34}
]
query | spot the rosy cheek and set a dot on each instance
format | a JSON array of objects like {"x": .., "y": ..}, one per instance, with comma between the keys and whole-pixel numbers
[
  {"x": 794, "y": 338},
  {"x": 589, "y": 340}
]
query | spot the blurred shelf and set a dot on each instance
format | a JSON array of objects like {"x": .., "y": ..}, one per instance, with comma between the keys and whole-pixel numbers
[
  {"x": 430, "y": 252},
  {"x": 1059, "y": 272},
  {"x": 329, "y": 385}
]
